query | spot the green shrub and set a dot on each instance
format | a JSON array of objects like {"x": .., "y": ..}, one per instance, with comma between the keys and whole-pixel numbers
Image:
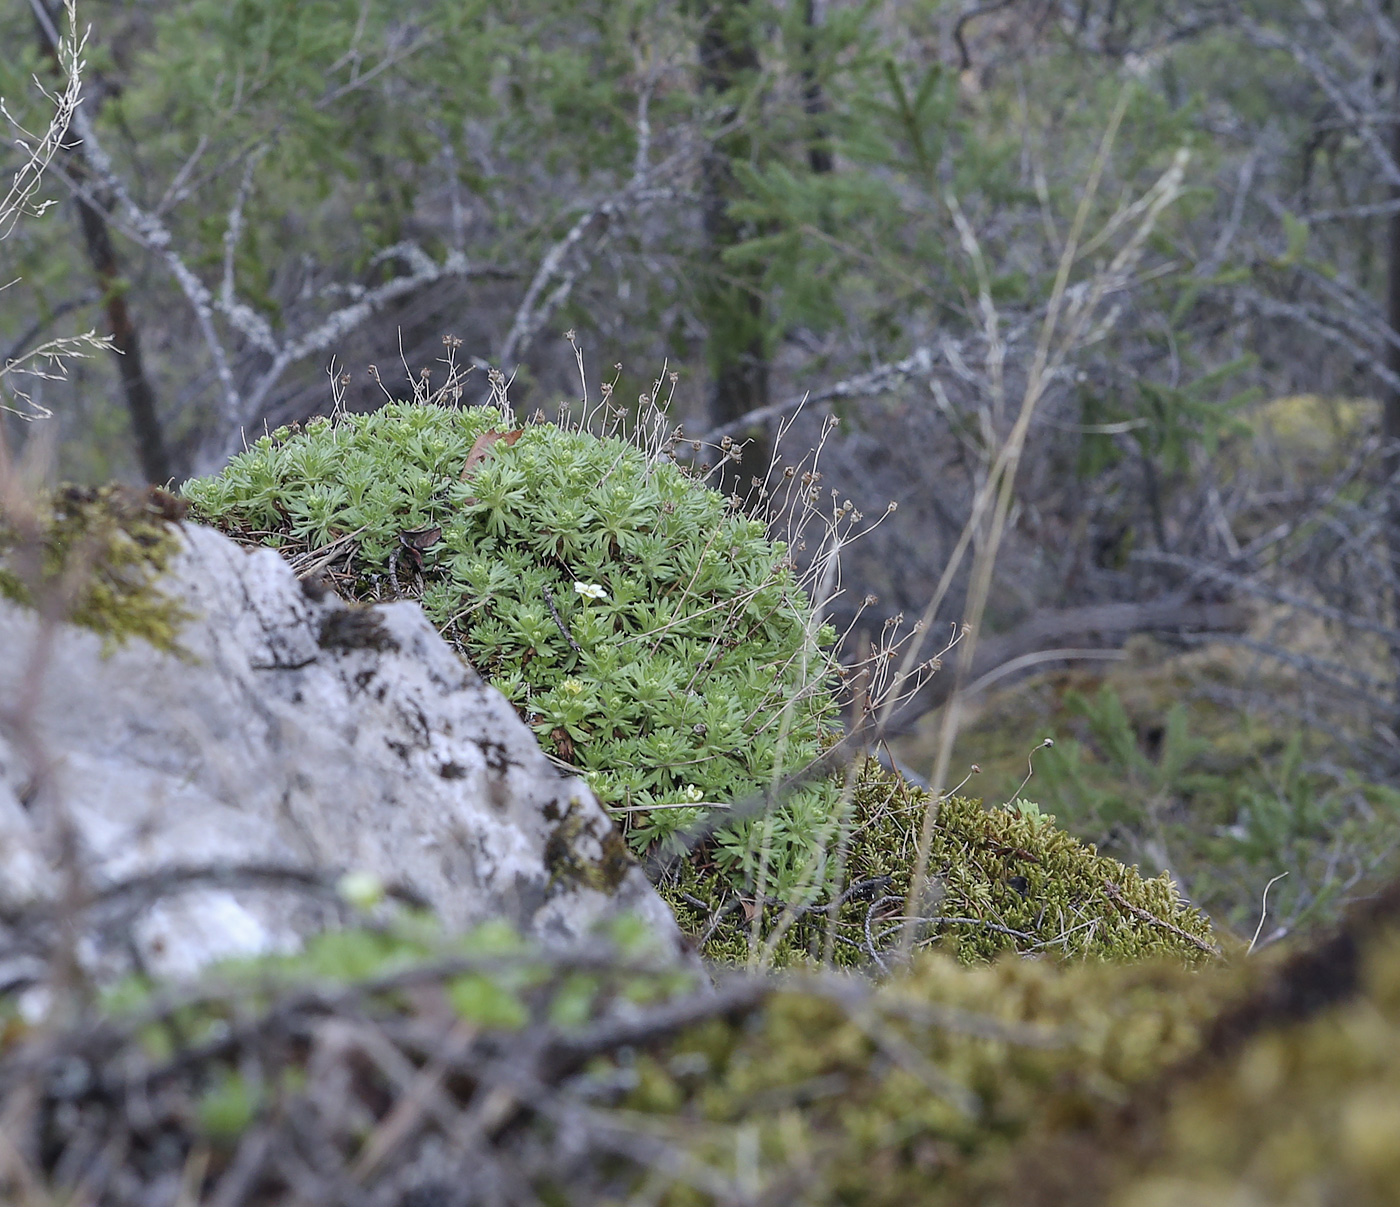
[{"x": 652, "y": 636}]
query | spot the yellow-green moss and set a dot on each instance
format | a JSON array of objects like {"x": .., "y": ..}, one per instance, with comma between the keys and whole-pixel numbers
[
  {"x": 920, "y": 1092},
  {"x": 1302, "y": 438},
  {"x": 1015, "y": 1083},
  {"x": 99, "y": 554},
  {"x": 1002, "y": 881},
  {"x": 1032, "y": 1083},
  {"x": 1302, "y": 1114}
]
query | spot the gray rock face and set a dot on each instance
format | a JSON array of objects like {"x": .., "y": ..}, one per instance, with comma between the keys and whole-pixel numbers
[{"x": 299, "y": 734}]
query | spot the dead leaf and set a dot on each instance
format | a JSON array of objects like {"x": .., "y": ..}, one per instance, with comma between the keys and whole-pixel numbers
[
  {"x": 482, "y": 445},
  {"x": 421, "y": 538},
  {"x": 563, "y": 744},
  {"x": 416, "y": 540}
]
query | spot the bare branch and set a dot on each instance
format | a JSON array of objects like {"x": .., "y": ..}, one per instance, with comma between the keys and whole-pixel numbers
[
  {"x": 38, "y": 151},
  {"x": 877, "y": 381},
  {"x": 531, "y": 314},
  {"x": 48, "y": 362},
  {"x": 424, "y": 271},
  {"x": 1325, "y": 79},
  {"x": 242, "y": 316},
  {"x": 154, "y": 235}
]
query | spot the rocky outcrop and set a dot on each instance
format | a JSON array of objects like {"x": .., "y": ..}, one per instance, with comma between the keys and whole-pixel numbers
[{"x": 294, "y": 738}]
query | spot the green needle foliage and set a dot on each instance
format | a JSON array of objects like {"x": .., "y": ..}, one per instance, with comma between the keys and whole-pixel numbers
[{"x": 652, "y": 636}]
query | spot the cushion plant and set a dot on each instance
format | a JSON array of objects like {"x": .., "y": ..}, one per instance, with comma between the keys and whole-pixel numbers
[{"x": 652, "y": 635}]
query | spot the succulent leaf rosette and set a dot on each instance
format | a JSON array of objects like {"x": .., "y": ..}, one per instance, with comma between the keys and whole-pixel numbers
[{"x": 653, "y": 636}]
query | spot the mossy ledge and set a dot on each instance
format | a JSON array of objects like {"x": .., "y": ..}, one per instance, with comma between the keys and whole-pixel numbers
[
  {"x": 1029, "y": 1083},
  {"x": 1004, "y": 880},
  {"x": 94, "y": 555}
]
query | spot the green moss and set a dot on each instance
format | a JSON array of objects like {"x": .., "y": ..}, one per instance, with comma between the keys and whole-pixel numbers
[
  {"x": 568, "y": 866},
  {"x": 922, "y": 1091},
  {"x": 1302, "y": 1114},
  {"x": 1292, "y": 1098},
  {"x": 654, "y": 638},
  {"x": 99, "y": 554},
  {"x": 1002, "y": 881}
]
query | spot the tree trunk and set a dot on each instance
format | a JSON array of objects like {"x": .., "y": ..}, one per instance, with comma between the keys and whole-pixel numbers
[
  {"x": 1390, "y": 407},
  {"x": 813, "y": 101},
  {"x": 136, "y": 385},
  {"x": 97, "y": 240},
  {"x": 732, "y": 298}
]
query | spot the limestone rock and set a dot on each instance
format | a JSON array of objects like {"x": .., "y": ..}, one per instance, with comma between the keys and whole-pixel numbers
[{"x": 297, "y": 733}]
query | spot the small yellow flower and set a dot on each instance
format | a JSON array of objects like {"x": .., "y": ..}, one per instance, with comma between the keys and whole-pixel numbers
[
  {"x": 572, "y": 686},
  {"x": 590, "y": 591}
]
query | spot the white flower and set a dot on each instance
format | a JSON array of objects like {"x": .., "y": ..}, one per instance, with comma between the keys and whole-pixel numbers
[
  {"x": 692, "y": 794},
  {"x": 572, "y": 686},
  {"x": 362, "y": 889},
  {"x": 590, "y": 590}
]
